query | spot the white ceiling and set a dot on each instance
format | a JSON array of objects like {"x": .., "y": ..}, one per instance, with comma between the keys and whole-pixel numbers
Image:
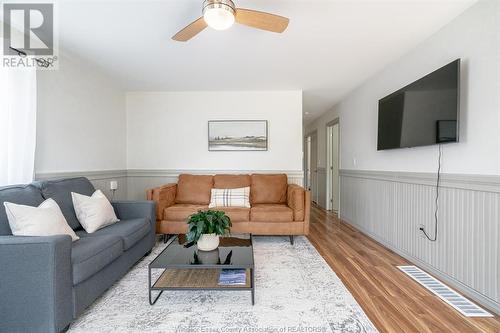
[{"x": 329, "y": 48}]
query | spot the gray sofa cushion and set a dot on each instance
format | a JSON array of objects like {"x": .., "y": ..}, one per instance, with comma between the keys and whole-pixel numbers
[
  {"x": 19, "y": 194},
  {"x": 130, "y": 231},
  {"x": 91, "y": 254},
  {"x": 60, "y": 191}
]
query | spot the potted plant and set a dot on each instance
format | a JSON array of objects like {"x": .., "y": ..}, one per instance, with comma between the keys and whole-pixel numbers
[{"x": 205, "y": 227}]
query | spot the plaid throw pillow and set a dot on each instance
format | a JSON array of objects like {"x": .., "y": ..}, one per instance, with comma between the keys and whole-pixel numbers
[{"x": 230, "y": 197}]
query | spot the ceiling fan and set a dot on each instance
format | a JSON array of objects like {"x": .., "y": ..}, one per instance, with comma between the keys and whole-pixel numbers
[{"x": 221, "y": 15}]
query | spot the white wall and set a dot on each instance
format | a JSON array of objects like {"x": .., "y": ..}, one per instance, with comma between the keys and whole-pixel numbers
[
  {"x": 80, "y": 119},
  {"x": 169, "y": 130},
  {"x": 474, "y": 37}
]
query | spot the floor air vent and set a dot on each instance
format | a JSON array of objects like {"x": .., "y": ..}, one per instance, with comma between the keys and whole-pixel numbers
[{"x": 450, "y": 296}]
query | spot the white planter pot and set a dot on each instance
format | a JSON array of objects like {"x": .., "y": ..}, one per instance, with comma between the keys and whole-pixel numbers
[{"x": 208, "y": 242}]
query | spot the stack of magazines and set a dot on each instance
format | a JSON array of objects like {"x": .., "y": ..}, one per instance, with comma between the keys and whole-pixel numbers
[{"x": 232, "y": 277}]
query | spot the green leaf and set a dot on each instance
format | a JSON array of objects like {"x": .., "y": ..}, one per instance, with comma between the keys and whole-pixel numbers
[{"x": 207, "y": 222}]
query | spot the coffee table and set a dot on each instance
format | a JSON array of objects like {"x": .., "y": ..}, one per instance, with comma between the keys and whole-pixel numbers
[{"x": 187, "y": 268}]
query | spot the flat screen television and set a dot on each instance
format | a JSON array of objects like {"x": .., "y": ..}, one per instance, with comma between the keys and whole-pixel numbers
[{"x": 425, "y": 112}]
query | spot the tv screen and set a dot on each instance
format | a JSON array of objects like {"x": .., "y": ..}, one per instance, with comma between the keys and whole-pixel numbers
[{"x": 423, "y": 113}]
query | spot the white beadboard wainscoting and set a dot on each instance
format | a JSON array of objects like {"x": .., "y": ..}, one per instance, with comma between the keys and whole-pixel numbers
[
  {"x": 138, "y": 181},
  {"x": 390, "y": 207},
  {"x": 132, "y": 184},
  {"x": 100, "y": 179}
]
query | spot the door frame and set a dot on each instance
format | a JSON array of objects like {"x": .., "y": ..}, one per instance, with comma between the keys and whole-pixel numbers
[
  {"x": 329, "y": 179},
  {"x": 305, "y": 158},
  {"x": 313, "y": 169}
]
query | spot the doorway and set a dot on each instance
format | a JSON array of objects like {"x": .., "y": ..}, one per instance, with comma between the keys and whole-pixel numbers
[
  {"x": 333, "y": 164},
  {"x": 311, "y": 165},
  {"x": 307, "y": 162}
]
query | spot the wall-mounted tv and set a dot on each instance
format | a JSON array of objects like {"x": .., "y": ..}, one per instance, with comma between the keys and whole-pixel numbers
[{"x": 425, "y": 112}]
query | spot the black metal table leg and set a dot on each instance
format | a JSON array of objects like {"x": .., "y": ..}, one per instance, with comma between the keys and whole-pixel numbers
[
  {"x": 152, "y": 301},
  {"x": 252, "y": 282},
  {"x": 155, "y": 299}
]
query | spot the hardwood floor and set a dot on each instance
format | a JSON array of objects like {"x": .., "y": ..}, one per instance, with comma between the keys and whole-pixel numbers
[{"x": 392, "y": 301}]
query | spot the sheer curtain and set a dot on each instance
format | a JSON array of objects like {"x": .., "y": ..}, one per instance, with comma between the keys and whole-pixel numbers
[{"x": 17, "y": 125}]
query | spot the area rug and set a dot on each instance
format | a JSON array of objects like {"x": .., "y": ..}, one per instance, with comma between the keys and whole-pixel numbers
[{"x": 296, "y": 291}]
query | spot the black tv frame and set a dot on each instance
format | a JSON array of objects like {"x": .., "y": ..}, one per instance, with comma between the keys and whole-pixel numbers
[{"x": 458, "y": 69}]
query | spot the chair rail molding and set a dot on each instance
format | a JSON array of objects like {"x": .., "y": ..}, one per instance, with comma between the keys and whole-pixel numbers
[
  {"x": 484, "y": 183},
  {"x": 92, "y": 175},
  {"x": 391, "y": 206}
]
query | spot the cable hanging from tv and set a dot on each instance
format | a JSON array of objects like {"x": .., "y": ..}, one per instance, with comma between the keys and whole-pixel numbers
[{"x": 436, "y": 201}]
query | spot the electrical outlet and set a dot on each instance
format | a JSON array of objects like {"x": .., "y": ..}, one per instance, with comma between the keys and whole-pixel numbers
[
  {"x": 420, "y": 232},
  {"x": 113, "y": 185}
]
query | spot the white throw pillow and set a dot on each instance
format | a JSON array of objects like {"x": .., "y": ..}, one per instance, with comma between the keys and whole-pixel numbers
[
  {"x": 230, "y": 197},
  {"x": 93, "y": 212},
  {"x": 44, "y": 220}
]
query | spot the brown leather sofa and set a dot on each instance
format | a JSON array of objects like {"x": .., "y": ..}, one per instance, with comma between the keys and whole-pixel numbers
[{"x": 277, "y": 208}]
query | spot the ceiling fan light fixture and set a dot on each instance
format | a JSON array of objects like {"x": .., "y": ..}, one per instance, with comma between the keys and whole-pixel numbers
[{"x": 219, "y": 14}]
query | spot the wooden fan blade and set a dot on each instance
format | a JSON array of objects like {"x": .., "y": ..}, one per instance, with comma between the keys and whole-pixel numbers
[
  {"x": 191, "y": 30},
  {"x": 261, "y": 20}
]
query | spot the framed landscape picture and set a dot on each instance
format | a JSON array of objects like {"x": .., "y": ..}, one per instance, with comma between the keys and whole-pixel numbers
[{"x": 229, "y": 135}]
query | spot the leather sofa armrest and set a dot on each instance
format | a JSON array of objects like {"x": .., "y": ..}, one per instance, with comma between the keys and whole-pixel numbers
[
  {"x": 35, "y": 283},
  {"x": 164, "y": 196},
  {"x": 296, "y": 200}
]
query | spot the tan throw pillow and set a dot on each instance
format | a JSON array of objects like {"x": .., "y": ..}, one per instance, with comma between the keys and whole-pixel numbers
[
  {"x": 44, "y": 220},
  {"x": 235, "y": 197}
]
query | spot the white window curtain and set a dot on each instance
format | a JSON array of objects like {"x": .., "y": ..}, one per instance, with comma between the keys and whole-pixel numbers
[{"x": 17, "y": 125}]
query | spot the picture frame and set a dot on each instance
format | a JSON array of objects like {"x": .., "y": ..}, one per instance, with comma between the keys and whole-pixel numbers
[{"x": 237, "y": 135}]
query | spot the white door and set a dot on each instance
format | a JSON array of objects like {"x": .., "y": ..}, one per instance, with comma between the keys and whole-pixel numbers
[
  {"x": 307, "y": 162},
  {"x": 314, "y": 168},
  {"x": 333, "y": 181}
]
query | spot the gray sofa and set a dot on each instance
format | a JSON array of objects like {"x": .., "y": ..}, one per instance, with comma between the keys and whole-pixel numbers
[{"x": 45, "y": 282}]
